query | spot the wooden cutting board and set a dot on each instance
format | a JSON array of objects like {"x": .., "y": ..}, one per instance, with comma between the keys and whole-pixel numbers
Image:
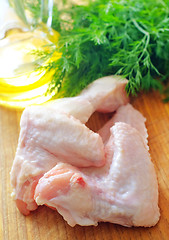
[{"x": 46, "y": 224}]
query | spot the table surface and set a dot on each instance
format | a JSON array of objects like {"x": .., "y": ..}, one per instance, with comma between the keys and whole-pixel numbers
[{"x": 45, "y": 223}]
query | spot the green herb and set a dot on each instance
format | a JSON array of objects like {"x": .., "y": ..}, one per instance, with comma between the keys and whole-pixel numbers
[{"x": 125, "y": 37}]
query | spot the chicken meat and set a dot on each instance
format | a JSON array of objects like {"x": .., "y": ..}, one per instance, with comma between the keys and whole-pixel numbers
[
  {"x": 87, "y": 177},
  {"x": 124, "y": 191},
  {"x": 127, "y": 114},
  {"x": 55, "y": 132}
]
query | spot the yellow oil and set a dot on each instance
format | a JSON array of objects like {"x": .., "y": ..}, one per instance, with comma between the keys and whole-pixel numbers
[{"x": 20, "y": 84}]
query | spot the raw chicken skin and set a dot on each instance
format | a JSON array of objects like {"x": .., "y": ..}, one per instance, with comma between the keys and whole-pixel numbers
[
  {"x": 51, "y": 134},
  {"x": 127, "y": 114},
  {"x": 65, "y": 180},
  {"x": 77, "y": 107},
  {"x": 45, "y": 140},
  {"x": 106, "y": 94},
  {"x": 124, "y": 191},
  {"x": 61, "y": 163}
]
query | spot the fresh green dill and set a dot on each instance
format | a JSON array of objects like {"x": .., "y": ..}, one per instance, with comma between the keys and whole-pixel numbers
[{"x": 104, "y": 37}]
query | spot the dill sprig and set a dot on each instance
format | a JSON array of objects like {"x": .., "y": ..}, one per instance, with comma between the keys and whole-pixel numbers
[{"x": 104, "y": 37}]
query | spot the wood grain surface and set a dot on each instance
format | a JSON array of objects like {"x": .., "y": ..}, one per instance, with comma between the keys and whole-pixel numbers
[{"x": 46, "y": 224}]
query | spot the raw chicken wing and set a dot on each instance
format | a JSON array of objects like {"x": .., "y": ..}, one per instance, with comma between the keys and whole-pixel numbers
[
  {"x": 124, "y": 191},
  {"x": 50, "y": 133},
  {"x": 45, "y": 140}
]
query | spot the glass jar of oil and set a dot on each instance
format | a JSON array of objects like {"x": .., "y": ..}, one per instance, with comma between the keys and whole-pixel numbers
[{"x": 20, "y": 84}]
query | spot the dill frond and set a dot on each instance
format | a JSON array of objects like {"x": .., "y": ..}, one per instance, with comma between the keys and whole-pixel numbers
[{"x": 105, "y": 37}]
